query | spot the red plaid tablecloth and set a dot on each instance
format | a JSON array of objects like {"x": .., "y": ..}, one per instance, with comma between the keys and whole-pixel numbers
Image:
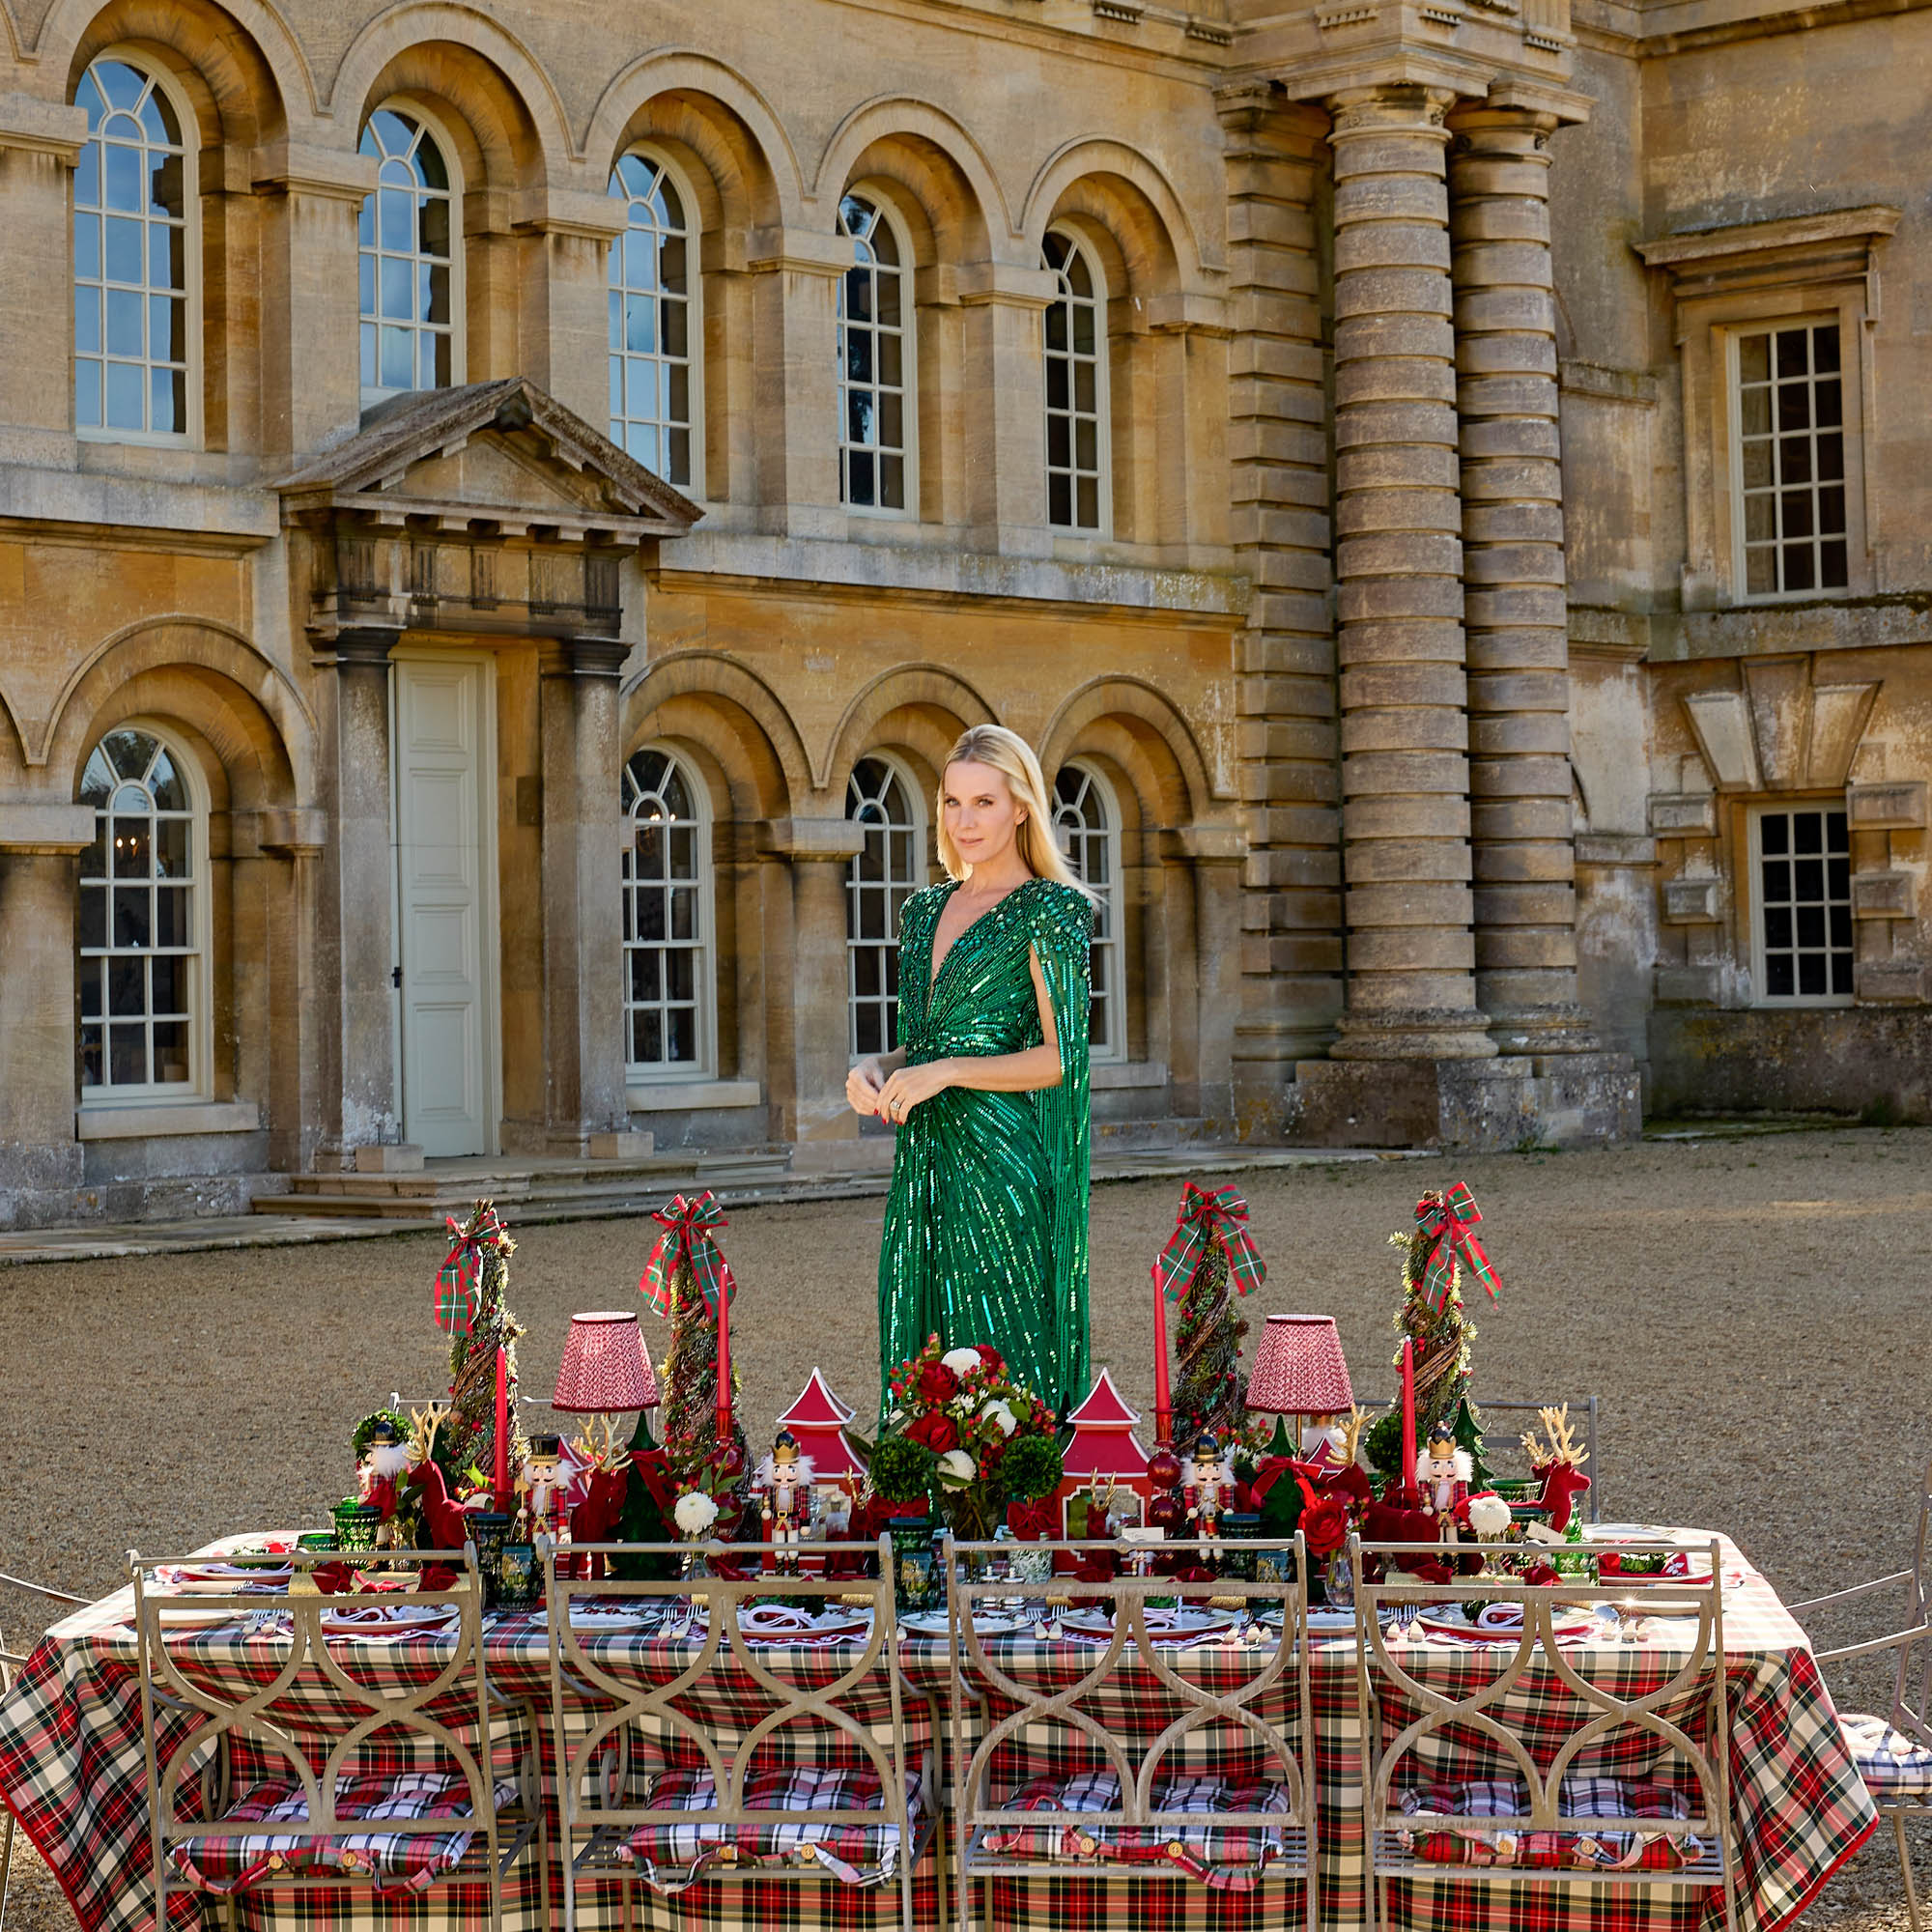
[{"x": 71, "y": 1769}]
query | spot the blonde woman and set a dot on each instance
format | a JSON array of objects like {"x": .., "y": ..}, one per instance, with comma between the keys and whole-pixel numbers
[{"x": 985, "y": 1237}]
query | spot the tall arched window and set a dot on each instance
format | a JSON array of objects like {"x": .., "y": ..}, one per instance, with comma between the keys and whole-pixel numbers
[
  {"x": 653, "y": 321},
  {"x": 1076, "y": 388},
  {"x": 875, "y": 400},
  {"x": 134, "y": 240},
  {"x": 668, "y": 1024},
  {"x": 1088, "y": 825},
  {"x": 141, "y": 986},
  {"x": 879, "y": 882},
  {"x": 412, "y": 338}
]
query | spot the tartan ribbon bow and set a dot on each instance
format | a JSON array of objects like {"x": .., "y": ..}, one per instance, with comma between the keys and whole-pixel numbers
[
  {"x": 461, "y": 1275},
  {"x": 686, "y": 1236},
  {"x": 1449, "y": 1220},
  {"x": 1206, "y": 1216}
]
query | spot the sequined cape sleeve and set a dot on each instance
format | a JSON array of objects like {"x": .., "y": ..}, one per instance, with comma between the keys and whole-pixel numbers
[{"x": 1062, "y": 932}]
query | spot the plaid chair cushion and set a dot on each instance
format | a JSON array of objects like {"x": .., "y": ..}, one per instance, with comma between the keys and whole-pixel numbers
[
  {"x": 1227, "y": 1858},
  {"x": 390, "y": 1861},
  {"x": 1893, "y": 1764},
  {"x": 673, "y": 1854},
  {"x": 1606, "y": 1798}
]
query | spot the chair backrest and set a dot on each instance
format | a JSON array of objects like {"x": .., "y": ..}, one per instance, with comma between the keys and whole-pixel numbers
[
  {"x": 1406, "y": 1722},
  {"x": 308, "y": 1719},
  {"x": 726, "y": 1709},
  {"x": 1911, "y": 1682},
  {"x": 1507, "y": 1437},
  {"x": 1256, "y": 1716}
]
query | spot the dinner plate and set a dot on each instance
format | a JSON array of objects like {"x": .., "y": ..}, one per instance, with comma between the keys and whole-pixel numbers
[
  {"x": 1640, "y": 1532},
  {"x": 772, "y": 1622},
  {"x": 1163, "y": 1626},
  {"x": 385, "y": 1619},
  {"x": 933, "y": 1622}
]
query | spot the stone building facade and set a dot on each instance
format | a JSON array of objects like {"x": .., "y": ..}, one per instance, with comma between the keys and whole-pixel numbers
[{"x": 503, "y": 507}]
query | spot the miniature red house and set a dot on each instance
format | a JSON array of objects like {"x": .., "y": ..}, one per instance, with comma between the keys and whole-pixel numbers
[
  {"x": 818, "y": 1419},
  {"x": 1299, "y": 1373},
  {"x": 1104, "y": 1454}
]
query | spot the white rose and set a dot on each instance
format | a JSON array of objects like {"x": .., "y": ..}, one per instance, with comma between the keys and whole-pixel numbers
[
  {"x": 696, "y": 1513},
  {"x": 961, "y": 1361},
  {"x": 998, "y": 1412},
  {"x": 957, "y": 1466},
  {"x": 1489, "y": 1515}
]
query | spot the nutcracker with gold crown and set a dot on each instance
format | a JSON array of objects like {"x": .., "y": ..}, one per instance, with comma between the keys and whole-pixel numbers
[
  {"x": 1446, "y": 1479},
  {"x": 1207, "y": 1487},
  {"x": 784, "y": 1483}
]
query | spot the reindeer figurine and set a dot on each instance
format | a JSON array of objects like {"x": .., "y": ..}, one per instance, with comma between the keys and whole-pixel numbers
[{"x": 1559, "y": 1463}]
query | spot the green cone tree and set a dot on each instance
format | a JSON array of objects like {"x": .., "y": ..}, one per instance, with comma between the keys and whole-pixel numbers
[
  {"x": 468, "y": 1437},
  {"x": 1208, "y": 1345}
]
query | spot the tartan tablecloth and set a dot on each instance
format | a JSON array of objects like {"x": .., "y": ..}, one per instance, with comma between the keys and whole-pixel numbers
[{"x": 71, "y": 1769}]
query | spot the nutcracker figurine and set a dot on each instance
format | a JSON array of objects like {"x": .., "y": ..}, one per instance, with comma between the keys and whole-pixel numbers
[
  {"x": 785, "y": 1506},
  {"x": 1206, "y": 1488},
  {"x": 380, "y": 1470},
  {"x": 1445, "y": 1484},
  {"x": 544, "y": 1484}
]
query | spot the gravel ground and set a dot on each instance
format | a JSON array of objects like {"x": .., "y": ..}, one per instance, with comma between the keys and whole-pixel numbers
[{"x": 1749, "y": 1311}]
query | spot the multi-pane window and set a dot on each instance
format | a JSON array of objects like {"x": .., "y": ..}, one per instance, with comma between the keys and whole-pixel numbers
[
  {"x": 667, "y": 884},
  {"x": 1790, "y": 426},
  {"x": 1076, "y": 387},
  {"x": 1804, "y": 903},
  {"x": 651, "y": 320},
  {"x": 1088, "y": 827},
  {"x": 131, "y": 257},
  {"x": 879, "y": 882},
  {"x": 874, "y": 362},
  {"x": 139, "y": 958},
  {"x": 408, "y": 260}
]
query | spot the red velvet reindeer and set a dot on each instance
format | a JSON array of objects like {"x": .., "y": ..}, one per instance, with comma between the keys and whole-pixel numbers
[{"x": 1559, "y": 1463}]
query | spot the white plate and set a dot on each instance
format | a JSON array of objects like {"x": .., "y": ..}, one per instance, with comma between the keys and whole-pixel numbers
[
  {"x": 386, "y": 1619},
  {"x": 1168, "y": 1625},
  {"x": 1637, "y": 1532},
  {"x": 1327, "y": 1618},
  {"x": 934, "y": 1623}
]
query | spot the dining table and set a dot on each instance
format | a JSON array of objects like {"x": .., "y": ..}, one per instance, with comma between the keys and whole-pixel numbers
[{"x": 71, "y": 1772}]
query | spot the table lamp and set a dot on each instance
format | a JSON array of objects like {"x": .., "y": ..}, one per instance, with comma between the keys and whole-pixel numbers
[
  {"x": 1299, "y": 1375},
  {"x": 605, "y": 1369}
]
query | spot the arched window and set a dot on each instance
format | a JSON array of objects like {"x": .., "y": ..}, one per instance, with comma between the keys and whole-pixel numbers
[
  {"x": 409, "y": 263},
  {"x": 667, "y": 1025},
  {"x": 134, "y": 239},
  {"x": 1076, "y": 388},
  {"x": 1088, "y": 823},
  {"x": 879, "y": 882},
  {"x": 140, "y": 970},
  {"x": 654, "y": 334},
  {"x": 875, "y": 400}
]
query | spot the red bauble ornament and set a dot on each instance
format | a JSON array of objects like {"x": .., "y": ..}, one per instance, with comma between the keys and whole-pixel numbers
[
  {"x": 1166, "y": 1511},
  {"x": 1164, "y": 1468}
]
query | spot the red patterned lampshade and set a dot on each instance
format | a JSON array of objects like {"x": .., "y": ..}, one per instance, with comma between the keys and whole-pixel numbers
[
  {"x": 1299, "y": 1369},
  {"x": 605, "y": 1367}
]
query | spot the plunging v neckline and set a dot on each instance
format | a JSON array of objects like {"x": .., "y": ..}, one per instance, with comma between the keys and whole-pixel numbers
[{"x": 933, "y": 971}]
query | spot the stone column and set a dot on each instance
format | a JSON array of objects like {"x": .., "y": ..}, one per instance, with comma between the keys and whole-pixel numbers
[
  {"x": 797, "y": 401},
  {"x": 1516, "y": 609},
  {"x": 1398, "y": 562},
  {"x": 583, "y": 903},
  {"x": 41, "y": 1161},
  {"x": 39, "y": 142},
  {"x": 565, "y": 323},
  {"x": 359, "y": 909},
  {"x": 1004, "y": 424},
  {"x": 1286, "y": 974}
]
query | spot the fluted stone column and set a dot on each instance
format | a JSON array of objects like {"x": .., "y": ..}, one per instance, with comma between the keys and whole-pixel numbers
[
  {"x": 1398, "y": 566},
  {"x": 1516, "y": 609}
]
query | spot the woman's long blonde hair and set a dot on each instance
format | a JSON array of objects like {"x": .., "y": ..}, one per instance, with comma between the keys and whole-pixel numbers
[{"x": 1012, "y": 756}]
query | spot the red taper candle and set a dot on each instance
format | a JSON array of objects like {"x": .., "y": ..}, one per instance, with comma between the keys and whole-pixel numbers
[
  {"x": 500, "y": 1476},
  {"x": 1163, "y": 1405},
  {"x": 1409, "y": 1413}
]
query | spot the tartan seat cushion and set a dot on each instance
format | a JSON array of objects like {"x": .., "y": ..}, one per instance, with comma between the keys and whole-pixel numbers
[
  {"x": 1228, "y": 1858},
  {"x": 672, "y": 1854},
  {"x": 1891, "y": 1763},
  {"x": 392, "y": 1861},
  {"x": 1621, "y": 1799}
]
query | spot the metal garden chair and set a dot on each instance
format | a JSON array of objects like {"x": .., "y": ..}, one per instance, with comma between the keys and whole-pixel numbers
[
  {"x": 1893, "y": 1752},
  {"x": 741, "y": 1758},
  {"x": 1481, "y": 1786},
  {"x": 12, "y": 1661},
  {"x": 1135, "y": 1766},
  {"x": 312, "y": 1776}
]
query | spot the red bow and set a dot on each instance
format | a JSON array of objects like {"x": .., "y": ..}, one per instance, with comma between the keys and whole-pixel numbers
[
  {"x": 1204, "y": 1217},
  {"x": 461, "y": 1275},
  {"x": 1449, "y": 1220},
  {"x": 687, "y": 1236}
]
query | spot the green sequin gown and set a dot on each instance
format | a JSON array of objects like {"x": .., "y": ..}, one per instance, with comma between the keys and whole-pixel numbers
[{"x": 985, "y": 1237}]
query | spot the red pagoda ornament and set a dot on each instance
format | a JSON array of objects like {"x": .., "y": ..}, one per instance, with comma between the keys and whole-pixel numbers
[
  {"x": 1104, "y": 1454},
  {"x": 817, "y": 1420}
]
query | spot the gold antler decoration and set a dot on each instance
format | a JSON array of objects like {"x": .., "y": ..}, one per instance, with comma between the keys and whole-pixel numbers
[
  {"x": 1562, "y": 1446},
  {"x": 596, "y": 1446},
  {"x": 423, "y": 1425},
  {"x": 1351, "y": 1435}
]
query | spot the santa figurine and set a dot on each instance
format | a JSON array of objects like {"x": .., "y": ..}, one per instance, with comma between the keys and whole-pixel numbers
[
  {"x": 784, "y": 1483},
  {"x": 1207, "y": 1487},
  {"x": 1446, "y": 1479},
  {"x": 377, "y": 1476}
]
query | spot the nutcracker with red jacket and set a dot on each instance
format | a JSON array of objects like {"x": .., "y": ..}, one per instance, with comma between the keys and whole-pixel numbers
[
  {"x": 386, "y": 1461},
  {"x": 545, "y": 1488},
  {"x": 1208, "y": 1488},
  {"x": 1445, "y": 1484},
  {"x": 784, "y": 1486}
]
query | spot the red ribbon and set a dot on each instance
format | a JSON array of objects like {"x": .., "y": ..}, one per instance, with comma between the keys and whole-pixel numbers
[
  {"x": 687, "y": 1236},
  {"x": 1204, "y": 1217},
  {"x": 1449, "y": 1220}
]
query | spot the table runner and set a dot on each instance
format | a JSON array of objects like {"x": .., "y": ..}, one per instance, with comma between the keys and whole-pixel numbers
[{"x": 71, "y": 1768}]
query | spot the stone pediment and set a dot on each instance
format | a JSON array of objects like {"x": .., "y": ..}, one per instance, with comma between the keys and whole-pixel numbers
[
  {"x": 490, "y": 509},
  {"x": 500, "y": 453}
]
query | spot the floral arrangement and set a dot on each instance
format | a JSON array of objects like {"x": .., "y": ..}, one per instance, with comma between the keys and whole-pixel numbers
[{"x": 962, "y": 1428}]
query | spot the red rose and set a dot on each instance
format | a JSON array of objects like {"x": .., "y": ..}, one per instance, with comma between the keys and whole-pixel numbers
[
  {"x": 936, "y": 1432},
  {"x": 1324, "y": 1527},
  {"x": 1542, "y": 1575},
  {"x": 937, "y": 1383},
  {"x": 990, "y": 1362}
]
